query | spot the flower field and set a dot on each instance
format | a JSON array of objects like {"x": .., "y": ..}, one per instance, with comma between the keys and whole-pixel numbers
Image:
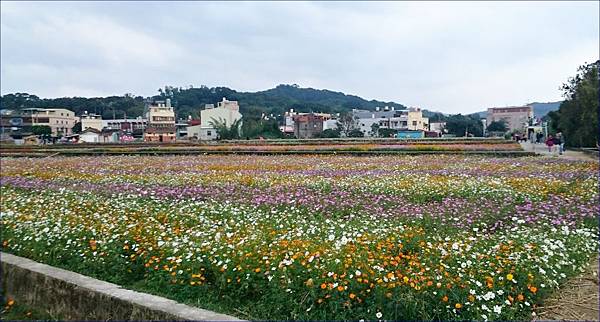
[{"x": 312, "y": 237}]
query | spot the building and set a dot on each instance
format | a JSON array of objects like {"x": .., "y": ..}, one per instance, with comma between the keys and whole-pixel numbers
[
  {"x": 307, "y": 126},
  {"x": 226, "y": 112},
  {"x": 161, "y": 122},
  {"x": 91, "y": 121},
  {"x": 61, "y": 121},
  {"x": 331, "y": 124},
  {"x": 437, "y": 126},
  {"x": 288, "y": 122},
  {"x": 90, "y": 135},
  {"x": 517, "y": 118},
  {"x": 389, "y": 118}
]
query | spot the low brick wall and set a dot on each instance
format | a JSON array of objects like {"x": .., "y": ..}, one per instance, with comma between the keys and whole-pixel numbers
[{"x": 74, "y": 296}]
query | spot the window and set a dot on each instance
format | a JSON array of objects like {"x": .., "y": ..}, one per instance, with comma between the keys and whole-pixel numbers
[
  {"x": 414, "y": 123},
  {"x": 209, "y": 133}
]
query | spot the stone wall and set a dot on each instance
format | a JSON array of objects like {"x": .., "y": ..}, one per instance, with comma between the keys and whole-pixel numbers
[{"x": 73, "y": 296}]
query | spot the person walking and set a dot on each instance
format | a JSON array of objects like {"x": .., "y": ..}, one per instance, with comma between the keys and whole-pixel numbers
[
  {"x": 550, "y": 143},
  {"x": 556, "y": 140},
  {"x": 561, "y": 142}
]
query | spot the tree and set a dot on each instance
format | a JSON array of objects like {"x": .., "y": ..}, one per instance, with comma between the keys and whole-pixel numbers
[
  {"x": 460, "y": 125},
  {"x": 356, "y": 133},
  {"x": 77, "y": 128},
  {"x": 329, "y": 133},
  {"x": 41, "y": 130},
  {"x": 386, "y": 133},
  {"x": 497, "y": 126},
  {"x": 227, "y": 132},
  {"x": 375, "y": 129},
  {"x": 577, "y": 116},
  {"x": 347, "y": 123}
]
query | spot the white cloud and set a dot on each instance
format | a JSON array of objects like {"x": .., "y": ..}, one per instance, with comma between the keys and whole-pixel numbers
[{"x": 450, "y": 56}]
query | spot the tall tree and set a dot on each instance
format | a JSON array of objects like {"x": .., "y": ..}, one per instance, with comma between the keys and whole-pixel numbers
[
  {"x": 497, "y": 126},
  {"x": 578, "y": 115},
  {"x": 460, "y": 125}
]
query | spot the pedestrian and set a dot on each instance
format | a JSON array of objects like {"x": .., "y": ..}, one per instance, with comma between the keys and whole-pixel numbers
[
  {"x": 539, "y": 137},
  {"x": 561, "y": 142},
  {"x": 556, "y": 140},
  {"x": 549, "y": 143}
]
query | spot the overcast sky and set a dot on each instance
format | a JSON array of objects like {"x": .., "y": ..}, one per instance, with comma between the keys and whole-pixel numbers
[{"x": 446, "y": 56}]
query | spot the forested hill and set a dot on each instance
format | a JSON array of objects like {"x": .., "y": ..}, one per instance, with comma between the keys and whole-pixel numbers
[{"x": 189, "y": 101}]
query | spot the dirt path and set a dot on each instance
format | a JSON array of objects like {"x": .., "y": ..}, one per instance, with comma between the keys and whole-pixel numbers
[
  {"x": 542, "y": 149},
  {"x": 576, "y": 300}
]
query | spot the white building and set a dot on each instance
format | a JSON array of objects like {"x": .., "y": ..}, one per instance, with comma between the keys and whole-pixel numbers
[
  {"x": 90, "y": 135},
  {"x": 437, "y": 126},
  {"x": 410, "y": 119},
  {"x": 91, "y": 121},
  {"x": 330, "y": 124},
  {"x": 226, "y": 112}
]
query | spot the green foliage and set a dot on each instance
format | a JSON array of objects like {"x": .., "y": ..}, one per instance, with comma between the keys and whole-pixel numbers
[
  {"x": 577, "y": 116},
  {"x": 329, "y": 133},
  {"x": 227, "y": 132},
  {"x": 41, "y": 130},
  {"x": 255, "y": 128},
  {"x": 461, "y": 124},
  {"x": 356, "y": 133},
  {"x": 497, "y": 126},
  {"x": 189, "y": 100},
  {"x": 77, "y": 128},
  {"x": 386, "y": 133}
]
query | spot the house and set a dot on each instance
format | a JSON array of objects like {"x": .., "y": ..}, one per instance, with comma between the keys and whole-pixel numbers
[
  {"x": 93, "y": 121},
  {"x": 307, "y": 126},
  {"x": 517, "y": 118},
  {"x": 226, "y": 112},
  {"x": 90, "y": 135},
  {"x": 437, "y": 126},
  {"x": 161, "y": 122},
  {"x": 111, "y": 136},
  {"x": 389, "y": 118}
]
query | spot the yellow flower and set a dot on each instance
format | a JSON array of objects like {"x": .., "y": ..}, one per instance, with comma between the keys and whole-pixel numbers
[
  {"x": 458, "y": 305},
  {"x": 509, "y": 277}
]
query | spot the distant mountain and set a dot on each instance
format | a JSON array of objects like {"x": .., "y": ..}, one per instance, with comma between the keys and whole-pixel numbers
[
  {"x": 539, "y": 109},
  {"x": 542, "y": 109}
]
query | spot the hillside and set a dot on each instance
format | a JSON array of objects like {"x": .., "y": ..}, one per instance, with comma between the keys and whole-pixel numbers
[{"x": 188, "y": 101}]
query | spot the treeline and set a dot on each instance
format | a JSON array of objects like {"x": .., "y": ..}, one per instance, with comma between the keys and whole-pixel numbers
[
  {"x": 188, "y": 101},
  {"x": 577, "y": 117}
]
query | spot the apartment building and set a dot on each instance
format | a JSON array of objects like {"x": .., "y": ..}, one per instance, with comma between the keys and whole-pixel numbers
[
  {"x": 226, "y": 111},
  {"x": 517, "y": 118},
  {"x": 161, "y": 122},
  {"x": 60, "y": 120}
]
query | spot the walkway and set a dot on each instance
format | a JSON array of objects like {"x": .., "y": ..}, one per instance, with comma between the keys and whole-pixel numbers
[{"x": 542, "y": 149}]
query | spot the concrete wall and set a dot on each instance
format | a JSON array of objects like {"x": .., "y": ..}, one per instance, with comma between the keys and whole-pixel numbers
[{"x": 73, "y": 296}]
